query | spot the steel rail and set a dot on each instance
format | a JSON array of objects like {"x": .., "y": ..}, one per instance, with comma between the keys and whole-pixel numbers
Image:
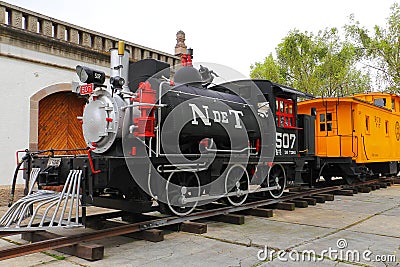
[
  {"x": 26, "y": 249},
  {"x": 8, "y": 253}
]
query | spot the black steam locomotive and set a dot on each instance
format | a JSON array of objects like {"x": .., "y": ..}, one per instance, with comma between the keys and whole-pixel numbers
[{"x": 173, "y": 144}]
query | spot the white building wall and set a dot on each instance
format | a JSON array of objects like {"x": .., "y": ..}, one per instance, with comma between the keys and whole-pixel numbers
[{"x": 19, "y": 80}]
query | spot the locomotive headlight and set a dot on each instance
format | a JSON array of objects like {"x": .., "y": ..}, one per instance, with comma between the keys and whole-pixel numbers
[
  {"x": 117, "y": 82},
  {"x": 88, "y": 75}
]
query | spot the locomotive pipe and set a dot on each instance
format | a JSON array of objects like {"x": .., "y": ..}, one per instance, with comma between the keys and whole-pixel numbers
[
  {"x": 142, "y": 104},
  {"x": 119, "y": 64},
  {"x": 233, "y": 151},
  {"x": 182, "y": 165},
  {"x": 11, "y": 199},
  {"x": 158, "y": 145}
]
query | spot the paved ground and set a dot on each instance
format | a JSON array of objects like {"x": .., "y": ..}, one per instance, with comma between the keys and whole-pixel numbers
[{"x": 365, "y": 226}]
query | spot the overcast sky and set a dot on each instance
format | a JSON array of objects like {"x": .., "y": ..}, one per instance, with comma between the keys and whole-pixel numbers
[{"x": 232, "y": 33}]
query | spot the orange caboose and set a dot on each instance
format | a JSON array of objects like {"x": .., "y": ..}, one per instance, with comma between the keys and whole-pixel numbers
[{"x": 365, "y": 127}]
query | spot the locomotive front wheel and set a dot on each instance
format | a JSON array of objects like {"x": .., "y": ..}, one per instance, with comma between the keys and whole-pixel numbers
[
  {"x": 276, "y": 177},
  {"x": 182, "y": 185},
  {"x": 237, "y": 180}
]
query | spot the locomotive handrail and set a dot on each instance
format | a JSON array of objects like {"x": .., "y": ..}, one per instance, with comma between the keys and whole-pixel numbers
[
  {"x": 365, "y": 150},
  {"x": 51, "y": 150},
  {"x": 183, "y": 165},
  {"x": 158, "y": 143},
  {"x": 230, "y": 150},
  {"x": 91, "y": 161},
  {"x": 143, "y": 104}
]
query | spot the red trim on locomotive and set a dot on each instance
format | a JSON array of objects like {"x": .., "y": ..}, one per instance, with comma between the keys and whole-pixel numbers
[{"x": 146, "y": 122}]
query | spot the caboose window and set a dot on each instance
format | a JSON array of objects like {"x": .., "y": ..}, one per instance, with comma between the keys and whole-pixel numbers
[
  {"x": 321, "y": 117},
  {"x": 325, "y": 122},
  {"x": 328, "y": 116},
  {"x": 285, "y": 113},
  {"x": 367, "y": 124},
  {"x": 380, "y": 102}
]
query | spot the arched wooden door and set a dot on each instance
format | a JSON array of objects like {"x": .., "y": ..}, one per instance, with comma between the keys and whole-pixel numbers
[{"x": 58, "y": 126}]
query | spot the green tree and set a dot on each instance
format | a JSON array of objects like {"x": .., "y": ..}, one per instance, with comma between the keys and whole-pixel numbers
[
  {"x": 321, "y": 64},
  {"x": 381, "y": 48},
  {"x": 267, "y": 70}
]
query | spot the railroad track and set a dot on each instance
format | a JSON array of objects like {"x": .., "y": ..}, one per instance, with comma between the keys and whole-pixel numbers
[{"x": 291, "y": 197}]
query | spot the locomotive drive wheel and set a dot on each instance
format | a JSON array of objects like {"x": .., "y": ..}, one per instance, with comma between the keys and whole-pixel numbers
[
  {"x": 276, "y": 177},
  {"x": 189, "y": 186},
  {"x": 237, "y": 180}
]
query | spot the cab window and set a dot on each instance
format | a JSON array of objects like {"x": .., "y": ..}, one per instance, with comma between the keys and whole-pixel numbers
[{"x": 285, "y": 113}]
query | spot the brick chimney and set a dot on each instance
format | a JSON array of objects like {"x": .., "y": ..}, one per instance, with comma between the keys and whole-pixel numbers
[{"x": 180, "y": 47}]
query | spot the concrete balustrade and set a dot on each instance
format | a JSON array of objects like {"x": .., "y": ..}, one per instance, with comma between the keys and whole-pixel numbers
[
  {"x": 2, "y": 14},
  {"x": 32, "y": 22}
]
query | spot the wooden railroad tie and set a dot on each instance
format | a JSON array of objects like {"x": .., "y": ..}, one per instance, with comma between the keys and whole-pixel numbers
[
  {"x": 328, "y": 197},
  {"x": 396, "y": 180},
  {"x": 383, "y": 185},
  {"x": 152, "y": 235},
  {"x": 283, "y": 206},
  {"x": 229, "y": 218},
  {"x": 310, "y": 201},
  {"x": 355, "y": 190},
  {"x": 189, "y": 227},
  {"x": 364, "y": 189},
  {"x": 344, "y": 192},
  {"x": 319, "y": 198},
  {"x": 299, "y": 203},
  {"x": 193, "y": 227},
  {"x": 87, "y": 251},
  {"x": 259, "y": 212}
]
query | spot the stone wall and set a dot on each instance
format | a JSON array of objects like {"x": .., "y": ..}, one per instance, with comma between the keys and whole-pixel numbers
[{"x": 28, "y": 29}]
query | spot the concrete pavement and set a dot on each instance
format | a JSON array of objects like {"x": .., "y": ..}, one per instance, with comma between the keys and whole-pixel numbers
[{"x": 359, "y": 230}]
